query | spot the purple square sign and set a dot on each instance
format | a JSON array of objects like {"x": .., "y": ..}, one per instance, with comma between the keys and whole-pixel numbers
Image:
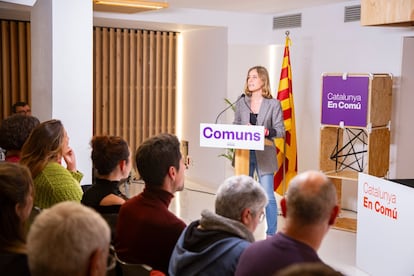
[{"x": 345, "y": 99}]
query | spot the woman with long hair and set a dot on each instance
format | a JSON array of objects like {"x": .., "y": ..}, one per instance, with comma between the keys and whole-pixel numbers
[
  {"x": 42, "y": 153},
  {"x": 16, "y": 202},
  {"x": 260, "y": 108}
]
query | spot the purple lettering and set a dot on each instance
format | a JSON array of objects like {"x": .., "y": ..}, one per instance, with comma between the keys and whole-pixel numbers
[{"x": 205, "y": 132}]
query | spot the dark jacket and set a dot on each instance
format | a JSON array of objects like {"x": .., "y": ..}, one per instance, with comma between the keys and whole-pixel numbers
[{"x": 212, "y": 250}]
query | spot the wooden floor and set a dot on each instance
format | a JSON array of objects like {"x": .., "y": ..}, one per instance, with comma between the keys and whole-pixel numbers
[{"x": 346, "y": 224}]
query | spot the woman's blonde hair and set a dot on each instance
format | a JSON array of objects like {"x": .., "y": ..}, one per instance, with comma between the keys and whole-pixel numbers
[
  {"x": 264, "y": 76},
  {"x": 43, "y": 146}
]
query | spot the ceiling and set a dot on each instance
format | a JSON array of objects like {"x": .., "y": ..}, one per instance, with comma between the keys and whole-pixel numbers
[
  {"x": 14, "y": 8},
  {"x": 250, "y": 6}
]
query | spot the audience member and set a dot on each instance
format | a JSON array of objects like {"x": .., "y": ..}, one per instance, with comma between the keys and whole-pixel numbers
[
  {"x": 310, "y": 207},
  {"x": 14, "y": 131},
  {"x": 42, "y": 153},
  {"x": 213, "y": 244},
  {"x": 16, "y": 201},
  {"x": 147, "y": 231},
  {"x": 68, "y": 239},
  {"x": 112, "y": 163},
  {"x": 308, "y": 269},
  {"x": 22, "y": 108}
]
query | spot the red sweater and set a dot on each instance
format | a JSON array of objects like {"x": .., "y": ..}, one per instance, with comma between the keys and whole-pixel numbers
[{"x": 146, "y": 231}]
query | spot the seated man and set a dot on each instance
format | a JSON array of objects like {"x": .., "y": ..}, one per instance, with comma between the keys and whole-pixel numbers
[
  {"x": 21, "y": 108},
  {"x": 146, "y": 231},
  {"x": 310, "y": 207},
  {"x": 68, "y": 239},
  {"x": 213, "y": 244},
  {"x": 14, "y": 131}
]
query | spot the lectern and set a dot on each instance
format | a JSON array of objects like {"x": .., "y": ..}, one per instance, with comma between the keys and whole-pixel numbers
[{"x": 241, "y": 162}]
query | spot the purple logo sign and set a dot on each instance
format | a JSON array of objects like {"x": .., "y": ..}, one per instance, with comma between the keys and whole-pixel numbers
[
  {"x": 232, "y": 136},
  {"x": 345, "y": 100}
]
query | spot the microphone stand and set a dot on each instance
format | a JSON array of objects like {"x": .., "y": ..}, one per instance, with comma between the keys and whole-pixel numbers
[{"x": 230, "y": 105}]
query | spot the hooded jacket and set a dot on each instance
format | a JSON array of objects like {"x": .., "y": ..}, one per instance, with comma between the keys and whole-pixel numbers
[{"x": 210, "y": 246}]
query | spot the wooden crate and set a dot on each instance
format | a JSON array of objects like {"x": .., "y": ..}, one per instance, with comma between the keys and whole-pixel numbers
[
  {"x": 370, "y": 136},
  {"x": 380, "y": 100},
  {"x": 379, "y": 152},
  {"x": 374, "y": 162},
  {"x": 375, "y": 126},
  {"x": 387, "y": 12}
]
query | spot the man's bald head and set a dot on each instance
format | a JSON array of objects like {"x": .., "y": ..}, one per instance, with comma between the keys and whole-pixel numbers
[{"x": 310, "y": 198}]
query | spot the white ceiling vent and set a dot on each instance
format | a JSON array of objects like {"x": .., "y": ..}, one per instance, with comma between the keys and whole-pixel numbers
[
  {"x": 287, "y": 21},
  {"x": 352, "y": 13}
]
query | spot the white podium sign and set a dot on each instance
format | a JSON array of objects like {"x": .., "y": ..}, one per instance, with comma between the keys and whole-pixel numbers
[
  {"x": 232, "y": 136},
  {"x": 385, "y": 244}
]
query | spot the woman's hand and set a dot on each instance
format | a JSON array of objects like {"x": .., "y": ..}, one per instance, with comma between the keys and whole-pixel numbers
[{"x": 70, "y": 159}]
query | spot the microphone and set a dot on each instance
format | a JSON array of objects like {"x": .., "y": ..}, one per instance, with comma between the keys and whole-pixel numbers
[
  {"x": 231, "y": 105},
  {"x": 247, "y": 105}
]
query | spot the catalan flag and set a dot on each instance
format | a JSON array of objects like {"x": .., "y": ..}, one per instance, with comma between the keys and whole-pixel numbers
[{"x": 286, "y": 147}]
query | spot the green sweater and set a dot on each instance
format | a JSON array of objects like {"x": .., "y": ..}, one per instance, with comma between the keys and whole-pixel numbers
[{"x": 55, "y": 184}]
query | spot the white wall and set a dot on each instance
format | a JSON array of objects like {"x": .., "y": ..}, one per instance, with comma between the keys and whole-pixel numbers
[
  {"x": 242, "y": 28},
  {"x": 204, "y": 84},
  {"x": 403, "y": 127},
  {"x": 42, "y": 58},
  {"x": 62, "y": 71}
]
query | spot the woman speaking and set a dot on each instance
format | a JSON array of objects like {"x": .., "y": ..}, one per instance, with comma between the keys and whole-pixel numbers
[{"x": 260, "y": 108}]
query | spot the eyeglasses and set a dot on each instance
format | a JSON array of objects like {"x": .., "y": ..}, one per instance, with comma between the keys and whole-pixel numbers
[
  {"x": 111, "y": 262},
  {"x": 262, "y": 216}
]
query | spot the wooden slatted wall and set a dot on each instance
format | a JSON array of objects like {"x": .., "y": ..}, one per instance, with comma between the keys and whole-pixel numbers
[
  {"x": 15, "y": 71},
  {"x": 135, "y": 83}
]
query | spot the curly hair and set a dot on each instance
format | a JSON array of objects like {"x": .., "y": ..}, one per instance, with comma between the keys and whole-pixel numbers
[
  {"x": 15, "y": 129},
  {"x": 107, "y": 151}
]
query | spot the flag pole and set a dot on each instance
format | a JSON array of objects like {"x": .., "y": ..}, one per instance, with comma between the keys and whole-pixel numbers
[{"x": 284, "y": 161}]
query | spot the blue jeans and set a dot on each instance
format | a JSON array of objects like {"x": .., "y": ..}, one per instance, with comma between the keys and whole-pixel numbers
[{"x": 267, "y": 183}]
